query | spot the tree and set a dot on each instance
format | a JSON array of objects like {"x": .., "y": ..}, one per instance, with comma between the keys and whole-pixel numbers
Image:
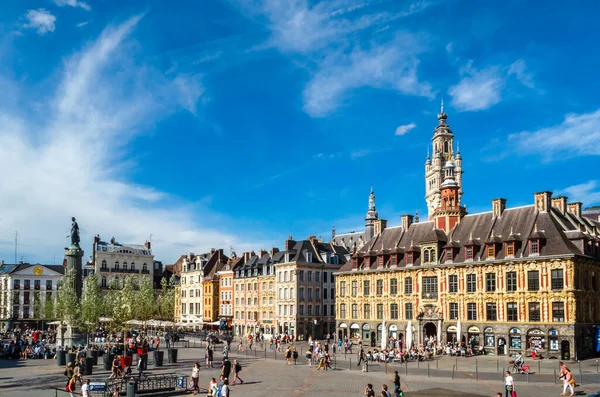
[
  {"x": 145, "y": 305},
  {"x": 114, "y": 305},
  {"x": 128, "y": 297},
  {"x": 166, "y": 300},
  {"x": 67, "y": 304},
  {"x": 38, "y": 312},
  {"x": 49, "y": 305},
  {"x": 92, "y": 304}
]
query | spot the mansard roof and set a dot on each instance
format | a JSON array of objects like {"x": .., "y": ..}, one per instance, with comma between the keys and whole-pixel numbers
[{"x": 562, "y": 234}]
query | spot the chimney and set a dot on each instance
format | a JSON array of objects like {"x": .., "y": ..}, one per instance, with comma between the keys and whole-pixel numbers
[
  {"x": 333, "y": 232},
  {"x": 246, "y": 256},
  {"x": 498, "y": 206},
  {"x": 212, "y": 251},
  {"x": 274, "y": 251},
  {"x": 406, "y": 220},
  {"x": 147, "y": 244},
  {"x": 191, "y": 256},
  {"x": 560, "y": 203},
  {"x": 575, "y": 208},
  {"x": 380, "y": 225},
  {"x": 543, "y": 201},
  {"x": 112, "y": 241},
  {"x": 262, "y": 252},
  {"x": 289, "y": 243},
  {"x": 252, "y": 253},
  {"x": 96, "y": 239}
]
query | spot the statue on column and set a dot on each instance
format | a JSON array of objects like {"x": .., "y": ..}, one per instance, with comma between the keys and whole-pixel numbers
[{"x": 74, "y": 233}]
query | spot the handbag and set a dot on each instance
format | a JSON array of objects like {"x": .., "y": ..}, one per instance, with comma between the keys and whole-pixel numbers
[{"x": 513, "y": 394}]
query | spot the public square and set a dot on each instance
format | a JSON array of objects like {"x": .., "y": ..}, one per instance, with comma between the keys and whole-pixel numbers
[{"x": 270, "y": 376}]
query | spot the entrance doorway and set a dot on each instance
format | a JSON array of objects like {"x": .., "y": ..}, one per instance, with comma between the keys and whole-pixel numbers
[
  {"x": 501, "y": 346},
  {"x": 565, "y": 350},
  {"x": 373, "y": 339},
  {"x": 429, "y": 331}
]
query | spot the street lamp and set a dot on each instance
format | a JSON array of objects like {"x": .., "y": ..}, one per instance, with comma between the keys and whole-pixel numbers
[{"x": 314, "y": 329}]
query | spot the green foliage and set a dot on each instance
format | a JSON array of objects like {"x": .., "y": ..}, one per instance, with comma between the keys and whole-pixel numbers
[
  {"x": 166, "y": 300},
  {"x": 67, "y": 304},
  {"x": 92, "y": 303},
  {"x": 49, "y": 305},
  {"x": 145, "y": 302},
  {"x": 38, "y": 312}
]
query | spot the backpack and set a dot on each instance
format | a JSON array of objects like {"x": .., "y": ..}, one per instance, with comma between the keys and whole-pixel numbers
[{"x": 238, "y": 367}]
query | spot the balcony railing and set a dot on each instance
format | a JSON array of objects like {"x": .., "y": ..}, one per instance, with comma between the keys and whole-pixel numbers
[
  {"x": 26, "y": 286},
  {"x": 37, "y": 287},
  {"x": 125, "y": 271},
  {"x": 145, "y": 271},
  {"x": 17, "y": 286}
]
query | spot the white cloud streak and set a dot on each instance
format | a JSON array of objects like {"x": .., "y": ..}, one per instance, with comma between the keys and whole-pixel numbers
[
  {"x": 41, "y": 20},
  {"x": 520, "y": 71},
  {"x": 403, "y": 129},
  {"x": 82, "y": 24},
  {"x": 73, "y": 3},
  {"x": 67, "y": 158},
  {"x": 577, "y": 135},
  {"x": 587, "y": 193}
]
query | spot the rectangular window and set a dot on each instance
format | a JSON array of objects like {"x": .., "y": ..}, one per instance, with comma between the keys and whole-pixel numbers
[
  {"x": 533, "y": 280},
  {"x": 408, "y": 311},
  {"x": 379, "y": 287},
  {"x": 317, "y": 310},
  {"x": 367, "y": 311},
  {"x": 449, "y": 254},
  {"x": 309, "y": 276},
  {"x": 453, "y": 311},
  {"x": 471, "y": 283},
  {"x": 510, "y": 249},
  {"x": 342, "y": 288},
  {"x": 408, "y": 285},
  {"x": 557, "y": 279},
  {"x": 490, "y": 282},
  {"x": 324, "y": 293},
  {"x": 453, "y": 283},
  {"x": 394, "y": 260},
  {"x": 301, "y": 293},
  {"x": 310, "y": 310},
  {"x": 366, "y": 287},
  {"x": 342, "y": 310},
  {"x": 301, "y": 275},
  {"x": 393, "y": 286},
  {"x": 318, "y": 294},
  {"x": 49, "y": 285},
  {"x": 324, "y": 310},
  {"x": 534, "y": 311},
  {"x": 471, "y": 311},
  {"x": 491, "y": 251},
  {"x": 535, "y": 246},
  {"x": 430, "y": 287},
  {"x": 558, "y": 312},
  {"x": 27, "y": 284},
  {"x": 394, "y": 311},
  {"x": 354, "y": 310},
  {"x": 511, "y": 281},
  {"x": 491, "y": 312},
  {"x": 354, "y": 288},
  {"x": 469, "y": 252},
  {"x": 379, "y": 311},
  {"x": 36, "y": 284},
  {"x": 310, "y": 295}
]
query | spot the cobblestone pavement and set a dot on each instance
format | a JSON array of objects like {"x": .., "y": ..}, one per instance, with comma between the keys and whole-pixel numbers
[{"x": 271, "y": 377}]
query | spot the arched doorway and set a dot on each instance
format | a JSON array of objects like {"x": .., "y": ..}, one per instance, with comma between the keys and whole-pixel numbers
[
  {"x": 429, "y": 332},
  {"x": 502, "y": 347},
  {"x": 393, "y": 331},
  {"x": 366, "y": 328}
]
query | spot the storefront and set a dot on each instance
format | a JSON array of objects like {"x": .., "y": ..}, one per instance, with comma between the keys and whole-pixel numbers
[
  {"x": 393, "y": 331},
  {"x": 489, "y": 339},
  {"x": 379, "y": 331},
  {"x": 473, "y": 336},
  {"x": 343, "y": 332},
  {"x": 536, "y": 338},
  {"x": 553, "y": 343},
  {"x": 514, "y": 338},
  {"x": 354, "y": 331},
  {"x": 451, "y": 333},
  {"x": 366, "y": 332}
]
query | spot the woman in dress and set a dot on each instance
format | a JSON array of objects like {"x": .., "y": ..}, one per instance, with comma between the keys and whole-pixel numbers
[{"x": 71, "y": 386}]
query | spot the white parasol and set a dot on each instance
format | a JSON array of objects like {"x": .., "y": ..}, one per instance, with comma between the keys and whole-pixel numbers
[
  {"x": 384, "y": 336},
  {"x": 409, "y": 335},
  {"x": 458, "y": 332}
]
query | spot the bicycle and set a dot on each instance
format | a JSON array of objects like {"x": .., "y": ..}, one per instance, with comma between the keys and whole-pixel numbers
[{"x": 514, "y": 368}]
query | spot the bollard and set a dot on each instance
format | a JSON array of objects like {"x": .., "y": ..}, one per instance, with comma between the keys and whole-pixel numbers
[
  {"x": 476, "y": 366},
  {"x": 386, "y": 366},
  {"x": 539, "y": 367},
  {"x": 255, "y": 352},
  {"x": 456, "y": 363},
  {"x": 418, "y": 362},
  {"x": 527, "y": 376},
  {"x": 406, "y": 367},
  {"x": 579, "y": 363},
  {"x": 265, "y": 352},
  {"x": 581, "y": 378},
  {"x": 497, "y": 365},
  {"x": 437, "y": 360},
  {"x": 596, "y": 366},
  {"x": 428, "y": 373},
  {"x": 453, "y": 371},
  {"x": 275, "y": 354},
  {"x": 476, "y": 372},
  {"x": 555, "y": 379},
  {"x": 350, "y": 363},
  {"x": 334, "y": 362},
  {"x": 131, "y": 389}
]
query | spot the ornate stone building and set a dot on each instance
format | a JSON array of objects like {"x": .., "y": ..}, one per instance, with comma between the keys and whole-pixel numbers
[
  {"x": 114, "y": 261},
  {"x": 504, "y": 279}
]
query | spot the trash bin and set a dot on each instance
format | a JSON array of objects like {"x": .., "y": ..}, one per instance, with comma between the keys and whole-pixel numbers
[
  {"x": 61, "y": 359},
  {"x": 71, "y": 358},
  {"x": 159, "y": 356},
  {"x": 172, "y": 355},
  {"x": 94, "y": 355},
  {"x": 131, "y": 388},
  {"x": 89, "y": 365},
  {"x": 108, "y": 359}
]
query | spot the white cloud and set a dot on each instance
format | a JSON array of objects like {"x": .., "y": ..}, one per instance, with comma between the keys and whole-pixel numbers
[
  {"x": 449, "y": 47},
  {"x": 403, "y": 129},
  {"x": 40, "y": 19},
  {"x": 478, "y": 90},
  {"x": 586, "y": 193},
  {"x": 577, "y": 135},
  {"x": 82, "y": 24},
  {"x": 66, "y": 158},
  {"x": 520, "y": 71},
  {"x": 356, "y": 154},
  {"x": 73, "y": 3}
]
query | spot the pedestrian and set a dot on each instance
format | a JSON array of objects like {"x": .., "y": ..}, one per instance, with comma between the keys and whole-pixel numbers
[
  {"x": 226, "y": 368},
  {"x": 213, "y": 389},
  {"x": 397, "y": 389},
  {"x": 369, "y": 392},
  {"x": 140, "y": 365},
  {"x": 69, "y": 371},
  {"x": 195, "y": 376},
  {"x": 71, "y": 386},
  {"x": 309, "y": 358},
  {"x": 361, "y": 356},
  {"x": 116, "y": 392},
  {"x": 295, "y": 355},
  {"x": 237, "y": 368},
  {"x": 384, "y": 391},
  {"x": 85, "y": 389},
  {"x": 509, "y": 385},
  {"x": 568, "y": 380},
  {"x": 210, "y": 356},
  {"x": 288, "y": 356},
  {"x": 224, "y": 392}
]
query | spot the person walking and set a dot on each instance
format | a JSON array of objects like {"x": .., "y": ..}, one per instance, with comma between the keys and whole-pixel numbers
[
  {"x": 369, "y": 392},
  {"x": 210, "y": 356},
  {"x": 361, "y": 356},
  {"x": 213, "y": 388},
  {"x": 69, "y": 371},
  {"x": 288, "y": 356},
  {"x": 309, "y": 358},
  {"x": 237, "y": 368},
  {"x": 226, "y": 368},
  {"x": 71, "y": 386},
  {"x": 224, "y": 391},
  {"x": 85, "y": 389},
  {"x": 509, "y": 385},
  {"x": 195, "y": 376},
  {"x": 397, "y": 389},
  {"x": 567, "y": 378},
  {"x": 295, "y": 355}
]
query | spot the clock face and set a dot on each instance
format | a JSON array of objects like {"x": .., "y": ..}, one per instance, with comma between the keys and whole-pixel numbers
[{"x": 38, "y": 270}]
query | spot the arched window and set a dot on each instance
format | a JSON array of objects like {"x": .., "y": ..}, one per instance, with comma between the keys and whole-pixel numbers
[
  {"x": 144, "y": 268},
  {"x": 264, "y": 286},
  {"x": 117, "y": 265},
  {"x": 103, "y": 264},
  {"x": 124, "y": 265},
  {"x": 285, "y": 276},
  {"x": 285, "y": 293},
  {"x": 292, "y": 293},
  {"x": 103, "y": 282},
  {"x": 132, "y": 265},
  {"x": 255, "y": 286},
  {"x": 426, "y": 256},
  {"x": 446, "y": 147},
  {"x": 117, "y": 285}
]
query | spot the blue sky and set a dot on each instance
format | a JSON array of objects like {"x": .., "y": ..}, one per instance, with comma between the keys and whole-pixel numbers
[{"x": 235, "y": 123}]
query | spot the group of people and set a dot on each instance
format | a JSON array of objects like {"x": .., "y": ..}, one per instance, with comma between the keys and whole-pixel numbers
[
  {"x": 565, "y": 375},
  {"x": 74, "y": 373},
  {"x": 370, "y": 392}
]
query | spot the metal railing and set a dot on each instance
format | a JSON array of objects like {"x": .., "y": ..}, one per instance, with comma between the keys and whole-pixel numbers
[{"x": 147, "y": 384}]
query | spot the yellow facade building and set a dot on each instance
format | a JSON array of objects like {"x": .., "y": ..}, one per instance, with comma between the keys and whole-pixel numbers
[{"x": 507, "y": 279}]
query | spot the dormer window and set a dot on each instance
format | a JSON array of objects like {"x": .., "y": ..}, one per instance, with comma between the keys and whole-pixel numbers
[
  {"x": 534, "y": 247},
  {"x": 380, "y": 261},
  {"x": 429, "y": 255},
  {"x": 394, "y": 260},
  {"x": 309, "y": 257},
  {"x": 491, "y": 251},
  {"x": 469, "y": 252},
  {"x": 367, "y": 263},
  {"x": 410, "y": 258},
  {"x": 510, "y": 248},
  {"x": 449, "y": 254},
  {"x": 287, "y": 257}
]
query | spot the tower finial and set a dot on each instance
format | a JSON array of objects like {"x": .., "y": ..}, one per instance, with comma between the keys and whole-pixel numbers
[{"x": 442, "y": 110}]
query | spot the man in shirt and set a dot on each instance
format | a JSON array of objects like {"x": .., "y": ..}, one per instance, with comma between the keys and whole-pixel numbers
[
  {"x": 85, "y": 389},
  {"x": 396, "y": 384},
  {"x": 369, "y": 392}
]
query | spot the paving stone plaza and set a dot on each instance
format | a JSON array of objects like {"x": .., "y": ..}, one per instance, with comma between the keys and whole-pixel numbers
[{"x": 270, "y": 376}]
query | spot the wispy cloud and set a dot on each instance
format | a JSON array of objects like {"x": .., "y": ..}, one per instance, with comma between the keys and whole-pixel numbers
[
  {"x": 481, "y": 89},
  {"x": 73, "y": 3},
  {"x": 356, "y": 154},
  {"x": 587, "y": 193},
  {"x": 403, "y": 129},
  {"x": 41, "y": 20},
  {"x": 77, "y": 136},
  {"x": 82, "y": 24},
  {"x": 577, "y": 135}
]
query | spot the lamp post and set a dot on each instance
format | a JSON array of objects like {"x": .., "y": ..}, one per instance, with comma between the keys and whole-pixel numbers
[{"x": 314, "y": 329}]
